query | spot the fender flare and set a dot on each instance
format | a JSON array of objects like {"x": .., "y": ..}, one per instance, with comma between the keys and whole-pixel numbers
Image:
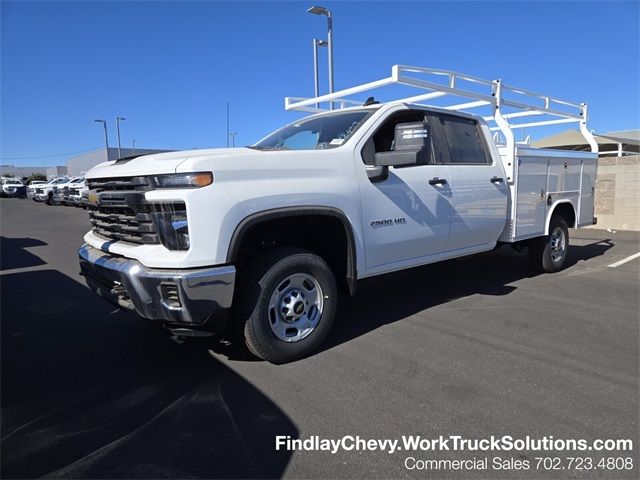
[
  {"x": 552, "y": 209},
  {"x": 276, "y": 213}
]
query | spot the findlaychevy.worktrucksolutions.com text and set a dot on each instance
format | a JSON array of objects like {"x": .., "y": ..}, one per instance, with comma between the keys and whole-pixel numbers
[{"x": 506, "y": 443}]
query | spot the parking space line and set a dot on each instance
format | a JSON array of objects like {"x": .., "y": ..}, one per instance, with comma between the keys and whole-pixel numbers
[{"x": 624, "y": 260}]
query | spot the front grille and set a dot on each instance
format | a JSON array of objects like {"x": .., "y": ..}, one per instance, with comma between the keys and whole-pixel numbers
[
  {"x": 122, "y": 212},
  {"x": 120, "y": 218},
  {"x": 122, "y": 223},
  {"x": 119, "y": 184},
  {"x": 39, "y": 190},
  {"x": 74, "y": 191}
]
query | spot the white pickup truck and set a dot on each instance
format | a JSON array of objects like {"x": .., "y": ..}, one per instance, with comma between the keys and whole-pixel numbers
[{"x": 262, "y": 239}]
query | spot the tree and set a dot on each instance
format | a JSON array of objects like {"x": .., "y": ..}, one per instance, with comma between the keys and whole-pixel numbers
[{"x": 35, "y": 176}]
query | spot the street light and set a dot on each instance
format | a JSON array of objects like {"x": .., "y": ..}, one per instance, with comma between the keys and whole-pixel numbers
[
  {"x": 118, "y": 129},
  {"x": 316, "y": 10},
  {"x": 316, "y": 43},
  {"x": 233, "y": 139},
  {"x": 106, "y": 137}
]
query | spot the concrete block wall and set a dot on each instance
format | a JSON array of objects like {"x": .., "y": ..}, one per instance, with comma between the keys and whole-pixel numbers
[{"x": 617, "y": 199}]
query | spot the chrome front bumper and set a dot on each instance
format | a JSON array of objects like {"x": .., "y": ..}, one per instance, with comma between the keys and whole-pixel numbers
[{"x": 194, "y": 298}]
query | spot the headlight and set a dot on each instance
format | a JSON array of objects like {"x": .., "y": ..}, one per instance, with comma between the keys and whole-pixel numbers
[
  {"x": 183, "y": 180},
  {"x": 170, "y": 221}
]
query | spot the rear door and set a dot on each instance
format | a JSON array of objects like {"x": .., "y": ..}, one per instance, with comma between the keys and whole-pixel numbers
[{"x": 478, "y": 185}]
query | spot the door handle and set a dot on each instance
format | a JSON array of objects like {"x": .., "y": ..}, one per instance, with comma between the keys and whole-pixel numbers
[
  {"x": 437, "y": 181},
  {"x": 496, "y": 180}
]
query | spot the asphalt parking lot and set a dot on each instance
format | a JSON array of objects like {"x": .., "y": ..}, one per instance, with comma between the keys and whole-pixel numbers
[{"x": 475, "y": 347}]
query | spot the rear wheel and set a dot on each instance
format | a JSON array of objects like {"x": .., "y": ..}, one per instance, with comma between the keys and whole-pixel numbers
[
  {"x": 285, "y": 305},
  {"x": 549, "y": 253}
]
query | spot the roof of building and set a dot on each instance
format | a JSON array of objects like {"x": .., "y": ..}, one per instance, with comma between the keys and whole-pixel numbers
[{"x": 574, "y": 137}]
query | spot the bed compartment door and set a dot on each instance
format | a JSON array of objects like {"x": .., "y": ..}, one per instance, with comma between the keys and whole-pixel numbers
[
  {"x": 587, "y": 188},
  {"x": 531, "y": 198}
]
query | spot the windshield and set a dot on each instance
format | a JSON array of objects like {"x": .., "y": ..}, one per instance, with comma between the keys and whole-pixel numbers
[
  {"x": 315, "y": 133},
  {"x": 60, "y": 180},
  {"x": 13, "y": 182}
]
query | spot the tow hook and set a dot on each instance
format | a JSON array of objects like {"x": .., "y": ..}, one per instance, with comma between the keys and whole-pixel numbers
[{"x": 119, "y": 291}]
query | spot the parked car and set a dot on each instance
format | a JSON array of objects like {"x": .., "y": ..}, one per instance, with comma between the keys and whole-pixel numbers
[
  {"x": 12, "y": 187},
  {"x": 76, "y": 191},
  {"x": 85, "y": 197},
  {"x": 63, "y": 191},
  {"x": 31, "y": 188},
  {"x": 44, "y": 193},
  {"x": 277, "y": 230}
]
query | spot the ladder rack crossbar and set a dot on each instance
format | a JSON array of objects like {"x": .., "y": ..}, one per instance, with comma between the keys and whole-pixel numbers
[{"x": 536, "y": 124}]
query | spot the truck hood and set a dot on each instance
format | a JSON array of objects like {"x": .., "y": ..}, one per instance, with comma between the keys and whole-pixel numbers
[{"x": 160, "y": 163}]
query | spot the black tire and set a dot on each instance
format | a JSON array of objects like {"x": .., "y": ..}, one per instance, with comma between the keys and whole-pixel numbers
[
  {"x": 256, "y": 289},
  {"x": 49, "y": 200},
  {"x": 548, "y": 254}
]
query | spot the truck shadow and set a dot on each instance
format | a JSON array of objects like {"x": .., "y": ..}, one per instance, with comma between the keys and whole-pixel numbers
[
  {"x": 393, "y": 297},
  {"x": 396, "y": 296},
  {"x": 14, "y": 254},
  {"x": 92, "y": 392}
]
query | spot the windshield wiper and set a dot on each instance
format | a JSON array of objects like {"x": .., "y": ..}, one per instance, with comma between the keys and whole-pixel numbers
[{"x": 268, "y": 148}]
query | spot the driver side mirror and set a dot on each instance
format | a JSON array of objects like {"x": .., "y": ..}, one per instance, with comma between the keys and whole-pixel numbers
[{"x": 412, "y": 146}]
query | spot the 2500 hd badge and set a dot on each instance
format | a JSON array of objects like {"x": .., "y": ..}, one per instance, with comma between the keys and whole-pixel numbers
[{"x": 388, "y": 222}]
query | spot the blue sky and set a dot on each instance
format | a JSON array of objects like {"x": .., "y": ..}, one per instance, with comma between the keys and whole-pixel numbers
[{"x": 170, "y": 67}]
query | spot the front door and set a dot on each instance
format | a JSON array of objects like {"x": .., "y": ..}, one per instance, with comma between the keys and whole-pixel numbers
[{"x": 405, "y": 212}]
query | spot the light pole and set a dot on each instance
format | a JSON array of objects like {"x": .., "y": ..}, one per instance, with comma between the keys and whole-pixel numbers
[
  {"x": 317, "y": 10},
  {"x": 316, "y": 88},
  {"x": 227, "y": 124},
  {"x": 106, "y": 137},
  {"x": 118, "y": 129},
  {"x": 133, "y": 146},
  {"x": 233, "y": 139}
]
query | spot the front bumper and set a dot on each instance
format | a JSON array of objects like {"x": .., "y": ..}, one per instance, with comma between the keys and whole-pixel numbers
[
  {"x": 14, "y": 193},
  {"x": 204, "y": 295}
]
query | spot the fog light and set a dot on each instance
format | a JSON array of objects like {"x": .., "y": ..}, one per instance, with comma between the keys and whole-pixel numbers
[{"x": 170, "y": 295}]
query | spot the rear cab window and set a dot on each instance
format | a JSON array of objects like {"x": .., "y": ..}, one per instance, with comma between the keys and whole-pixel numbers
[{"x": 465, "y": 141}]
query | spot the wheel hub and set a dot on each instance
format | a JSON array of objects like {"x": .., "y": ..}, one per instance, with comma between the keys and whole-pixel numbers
[
  {"x": 557, "y": 243},
  {"x": 292, "y": 306},
  {"x": 295, "y": 307}
]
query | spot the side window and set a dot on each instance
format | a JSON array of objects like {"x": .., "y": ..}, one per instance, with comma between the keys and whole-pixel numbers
[
  {"x": 382, "y": 140},
  {"x": 464, "y": 140}
]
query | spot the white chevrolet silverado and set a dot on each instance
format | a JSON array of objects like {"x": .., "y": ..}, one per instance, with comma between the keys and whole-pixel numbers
[{"x": 261, "y": 240}]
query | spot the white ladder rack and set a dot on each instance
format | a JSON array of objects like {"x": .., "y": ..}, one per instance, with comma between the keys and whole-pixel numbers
[{"x": 505, "y": 101}]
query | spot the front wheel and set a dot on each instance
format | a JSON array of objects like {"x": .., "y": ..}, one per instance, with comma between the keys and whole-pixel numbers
[
  {"x": 286, "y": 303},
  {"x": 549, "y": 253}
]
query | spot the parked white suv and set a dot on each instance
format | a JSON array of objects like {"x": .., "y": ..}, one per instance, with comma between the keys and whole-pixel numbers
[
  {"x": 31, "y": 188},
  {"x": 278, "y": 229},
  {"x": 63, "y": 192},
  {"x": 12, "y": 187},
  {"x": 76, "y": 193},
  {"x": 44, "y": 193}
]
